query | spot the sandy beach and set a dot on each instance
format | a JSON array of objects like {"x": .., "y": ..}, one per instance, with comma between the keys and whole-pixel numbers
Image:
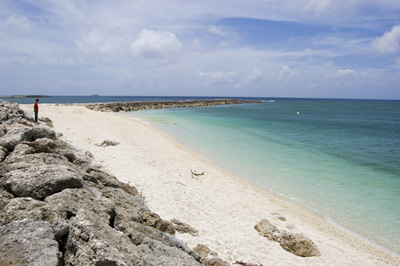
[{"x": 220, "y": 206}]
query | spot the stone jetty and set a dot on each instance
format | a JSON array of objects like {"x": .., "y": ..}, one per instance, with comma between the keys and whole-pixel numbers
[
  {"x": 135, "y": 106},
  {"x": 58, "y": 208}
]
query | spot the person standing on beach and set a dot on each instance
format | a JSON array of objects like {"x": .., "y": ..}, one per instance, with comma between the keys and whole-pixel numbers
[{"x": 36, "y": 109}]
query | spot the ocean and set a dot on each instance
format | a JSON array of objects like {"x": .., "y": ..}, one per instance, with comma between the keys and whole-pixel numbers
[{"x": 338, "y": 158}]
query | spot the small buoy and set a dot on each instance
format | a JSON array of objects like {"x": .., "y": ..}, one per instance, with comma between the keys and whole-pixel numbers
[{"x": 298, "y": 113}]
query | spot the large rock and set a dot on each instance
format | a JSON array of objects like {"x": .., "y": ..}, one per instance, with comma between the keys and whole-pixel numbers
[
  {"x": 130, "y": 218},
  {"x": 204, "y": 251},
  {"x": 184, "y": 227},
  {"x": 10, "y": 110},
  {"x": 29, "y": 242},
  {"x": 133, "y": 208},
  {"x": 28, "y": 208},
  {"x": 24, "y": 158},
  {"x": 18, "y": 135},
  {"x": 93, "y": 242},
  {"x": 45, "y": 145},
  {"x": 215, "y": 262},
  {"x": 42, "y": 181},
  {"x": 266, "y": 229},
  {"x": 156, "y": 253},
  {"x": 111, "y": 181},
  {"x": 47, "y": 121},
  {"x": 90, "y": 199},
  {"x": 297, "y": 244}
]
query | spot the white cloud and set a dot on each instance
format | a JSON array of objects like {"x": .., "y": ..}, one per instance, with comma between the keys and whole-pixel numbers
[
  {"x": 156, "y": 44},
  {"x": 345, "y": 72},
  {"x": 316, "y": 6},
  {"x": 286, "y": 72},
  {"x": 104, "y": 46},
  {"x": 217, "y": 31},
  {"x": 389, "y": 43},
  {"x": 18, "y": 23},
  {"x": 254, "y": 76},
  {"x": 217, "y": 77}
]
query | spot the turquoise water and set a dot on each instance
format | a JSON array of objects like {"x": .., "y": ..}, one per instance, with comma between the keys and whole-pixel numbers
[{"x": 340, "y": 158}]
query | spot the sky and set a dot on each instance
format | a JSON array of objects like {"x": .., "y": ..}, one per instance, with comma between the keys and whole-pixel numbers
[{"x": 254, "y": 48}]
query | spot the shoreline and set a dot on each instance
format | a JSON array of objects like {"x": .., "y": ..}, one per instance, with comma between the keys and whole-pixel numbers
[{"x": 221, "y": 206}]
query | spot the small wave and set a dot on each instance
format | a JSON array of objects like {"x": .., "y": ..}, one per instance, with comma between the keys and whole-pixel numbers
[
  {"x": 140, "y": 120},
  {"x": 363, "y": 238},
  {"x": 268, "y": 101}
]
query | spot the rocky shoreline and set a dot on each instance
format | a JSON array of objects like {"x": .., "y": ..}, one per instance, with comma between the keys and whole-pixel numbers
[
  {"x": 58, "y": 208},
  {"x": 135, "y": 106}
]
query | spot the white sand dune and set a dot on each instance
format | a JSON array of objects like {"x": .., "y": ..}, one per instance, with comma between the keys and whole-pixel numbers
[{"x": 221, "y": 207}]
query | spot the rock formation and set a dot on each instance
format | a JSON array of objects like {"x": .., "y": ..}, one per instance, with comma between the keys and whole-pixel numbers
[
  {"x": 293, "y": 243},
  {"x": 184, "y": 228},
  {"x": 56, "y": 208},
  {"x": 135, "y": 106}
]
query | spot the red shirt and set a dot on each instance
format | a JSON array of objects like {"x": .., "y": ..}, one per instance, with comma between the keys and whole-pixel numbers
[{"x": 36, "y": 107}]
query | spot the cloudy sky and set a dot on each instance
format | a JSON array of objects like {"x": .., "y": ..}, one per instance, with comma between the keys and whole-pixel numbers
[{"x": 265, "y": 48}]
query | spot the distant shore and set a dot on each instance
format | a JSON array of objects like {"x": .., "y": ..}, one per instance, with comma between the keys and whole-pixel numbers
[{"x": 26, "y": 96}]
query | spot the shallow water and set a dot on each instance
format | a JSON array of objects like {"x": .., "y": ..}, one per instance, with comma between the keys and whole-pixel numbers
[{"x": 340, "y": 158}]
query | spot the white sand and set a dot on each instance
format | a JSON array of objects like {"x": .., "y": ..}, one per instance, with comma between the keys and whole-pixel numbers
[{"x": 223, "y": 208}]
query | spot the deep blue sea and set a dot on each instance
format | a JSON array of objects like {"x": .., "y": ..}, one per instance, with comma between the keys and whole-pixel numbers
[{"x": 339, "y": 158}]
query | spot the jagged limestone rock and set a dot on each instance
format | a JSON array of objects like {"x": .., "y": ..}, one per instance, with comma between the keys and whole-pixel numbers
[
  {"x": 129, "y": 207},
  {"x": 110, "y": 181},
  {"x": 156, "y": 253},
  {"x": 299, "y": 245},
  {"x": 205, "y": 251},
  {"x": 28, "y": 208},
  {"x": 42, "y": 181},
  {"x": 266, "y": 229},
  {"x": 294, "y": 243},
  {"x": 60, "y": 228},
  {"x": 93, "y": 242},
  {"x": 184, "y": 228},
  {"x": 91, "y": 199},
  {"x": 18, "y": 135},
  {"x": 29, "y": 242},
  {"x": 215, "y": 262},
  {"x": 47, "y": 121}
]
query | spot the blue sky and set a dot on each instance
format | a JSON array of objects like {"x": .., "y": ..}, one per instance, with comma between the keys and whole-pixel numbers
[{"x": 261, "y": 48}]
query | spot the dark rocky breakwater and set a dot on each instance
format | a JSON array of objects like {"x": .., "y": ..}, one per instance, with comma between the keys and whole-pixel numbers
[
  {"x": 57, "y": 208},
  {"x": 135, "y": 106}
]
